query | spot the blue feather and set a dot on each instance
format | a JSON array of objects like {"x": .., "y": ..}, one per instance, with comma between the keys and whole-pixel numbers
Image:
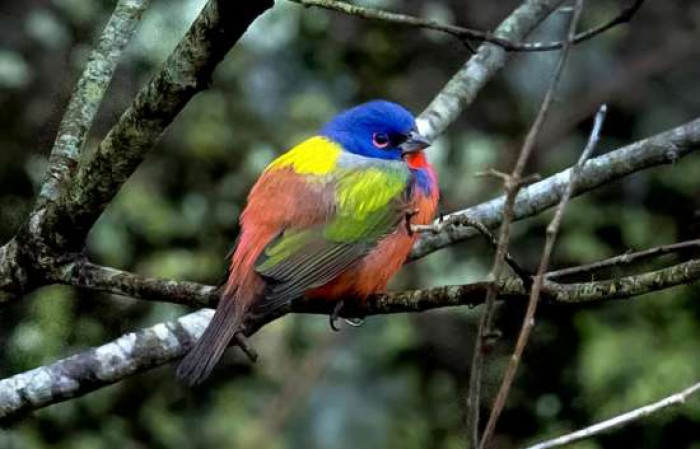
[{"x": 423, "y": 181}]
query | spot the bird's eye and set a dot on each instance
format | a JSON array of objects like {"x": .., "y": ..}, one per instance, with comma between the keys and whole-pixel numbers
[{"x": 380, "y": 140}]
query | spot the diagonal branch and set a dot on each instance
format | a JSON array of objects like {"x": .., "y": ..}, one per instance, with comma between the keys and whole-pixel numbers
[
  {"x": 157, "y": 345},
  {"x": 88, "y": 95},
  {"x": 55, "y": 232},
  {"x": 462, "y": 88},
  {"x": 85, "y": 274},
  {"x": 664, "y": 148},
  {"x": 469, "y": 34},
  {"x": 621, "y": 420},
  {"x": 186, "y": 72}
]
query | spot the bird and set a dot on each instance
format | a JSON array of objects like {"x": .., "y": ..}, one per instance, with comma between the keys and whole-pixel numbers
[{"x": 329, "y": 219}]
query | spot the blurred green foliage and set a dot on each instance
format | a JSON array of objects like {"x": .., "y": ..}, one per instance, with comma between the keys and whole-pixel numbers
[{"x": 398, "y": 381}]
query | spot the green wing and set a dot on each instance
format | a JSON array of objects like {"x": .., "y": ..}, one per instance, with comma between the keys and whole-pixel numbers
[{"x": 370, "y": 203}]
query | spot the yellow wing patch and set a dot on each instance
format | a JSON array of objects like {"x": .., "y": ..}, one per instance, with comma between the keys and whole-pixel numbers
[{"x": 314, "y": 156}]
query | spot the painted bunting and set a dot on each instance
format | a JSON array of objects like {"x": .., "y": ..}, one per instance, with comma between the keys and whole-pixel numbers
[{"x": 330, "y": 218}]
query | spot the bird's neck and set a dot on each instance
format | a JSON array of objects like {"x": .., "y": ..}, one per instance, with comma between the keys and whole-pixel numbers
[
  {"x": 417, "y": 160},
  {"x": 423, "y": 173}
]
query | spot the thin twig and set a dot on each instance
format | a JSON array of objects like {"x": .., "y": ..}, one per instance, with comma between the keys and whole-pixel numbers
[
  {"x": 621, "y": 420},
  {"x": 512, "y": 186},
  {"x": 535, "y": 293},
  {"x": 466, "y": 220},
  {"x": 468, "y": 34},
  {"x": 624, "y": 259},
  {"x": 88, "y": 94},
  {"x": 64, "y": 223}
]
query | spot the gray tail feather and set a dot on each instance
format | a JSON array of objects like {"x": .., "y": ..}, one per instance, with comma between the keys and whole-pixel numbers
[{"x": 205, "y": 354}]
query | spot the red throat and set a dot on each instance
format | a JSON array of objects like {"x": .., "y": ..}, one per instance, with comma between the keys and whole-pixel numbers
[{"x": 417, "y": 160}]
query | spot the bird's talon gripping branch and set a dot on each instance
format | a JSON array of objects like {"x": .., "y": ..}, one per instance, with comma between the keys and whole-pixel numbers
[
  {"x": 335, "y": 315},
  {"x": 407, "y": 219}
]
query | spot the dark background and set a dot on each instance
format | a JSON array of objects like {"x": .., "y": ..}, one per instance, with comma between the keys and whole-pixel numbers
[{"x": 398, "y": 381}]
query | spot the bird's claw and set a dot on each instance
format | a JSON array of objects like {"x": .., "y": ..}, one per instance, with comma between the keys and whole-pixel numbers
[
  {"x": 335, "y": 315},
  {"x": 409, "y": 215},
  {"x": 355, "y": 322}
]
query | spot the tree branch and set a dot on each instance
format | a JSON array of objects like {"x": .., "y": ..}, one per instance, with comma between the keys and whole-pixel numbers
[
  {"x": 625, "y": 259},
  {"x": 664, "y": 148},
  {"x": 55, "y": 232},
  {"x": 186, "y": 72},
  {"x": 462, "y": 88},
  {"x": 88, "y": 94},
  {"x": 469, "y": 34},
  {"x": 85, "y": 274},
  {"x": 157, "y": 345},
  {"x": 621, "y": 420}
]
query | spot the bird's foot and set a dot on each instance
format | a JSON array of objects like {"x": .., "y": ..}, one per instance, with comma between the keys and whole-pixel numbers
[
  {"x": 335, "y": 315},
  {"x": 407, "y": 219},
  {"x": 355, "y": 322}
]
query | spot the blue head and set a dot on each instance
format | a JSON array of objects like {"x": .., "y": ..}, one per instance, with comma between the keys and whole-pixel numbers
[{"x": 377, "y": 129}]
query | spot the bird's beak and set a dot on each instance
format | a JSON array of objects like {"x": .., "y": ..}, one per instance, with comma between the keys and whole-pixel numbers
[{"x": 414, "y": 143}]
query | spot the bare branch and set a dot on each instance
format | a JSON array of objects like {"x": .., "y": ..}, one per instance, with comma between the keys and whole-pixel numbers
[
  {"x": 537, "y": 285},
  {"x": 85, "y": 274},
  {"x": 88, "y": 94},
  {"x": 624, "y": 259},
  {"x": 137, "y": 286},
  {"x": 165, "y": 342},
  {"x": 468, "y": 34},
  {"x": 621, "y": 420},
  {"x": 664, "y": 148},
  {"x": 512, "y": 185},
  {"x": 101, "y": 366}
]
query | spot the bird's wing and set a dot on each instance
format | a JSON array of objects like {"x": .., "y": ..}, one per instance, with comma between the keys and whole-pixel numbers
[{"x": 369, "y": 203}]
